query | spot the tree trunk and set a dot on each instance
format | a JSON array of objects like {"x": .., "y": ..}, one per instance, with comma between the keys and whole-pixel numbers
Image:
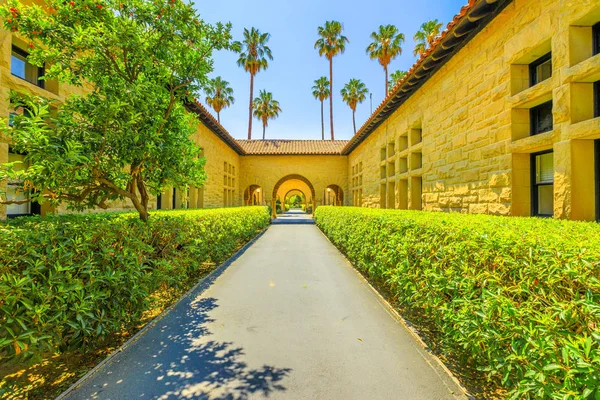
[
  {"x": 387, "y": 89},
  {"x": 331, "y": 96},
  {"x": 250, "y": 107},
  {"x": 322, "y": 123},
  {"x": 218, "y": 117},
  {"x": 264, "y": 129},
  {"x": 354, "y": 121}
]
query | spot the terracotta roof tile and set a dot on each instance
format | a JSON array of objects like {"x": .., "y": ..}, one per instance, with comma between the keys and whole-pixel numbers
[{"x": 292, "y": 147}]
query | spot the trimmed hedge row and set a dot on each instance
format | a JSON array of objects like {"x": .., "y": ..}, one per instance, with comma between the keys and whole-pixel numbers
[
  {"x": 68, "y": 280},
  {"x": 517, "y": 297}
]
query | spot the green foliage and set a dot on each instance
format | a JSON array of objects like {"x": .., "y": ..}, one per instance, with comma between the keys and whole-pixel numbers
[
  {"x": 67, "y": 281},
  {"x": 265, "y": 108},
  {"x": 426, "y": 35},
  {"x": 519, "y": 298},
  {"x": 128, "y": 136}
]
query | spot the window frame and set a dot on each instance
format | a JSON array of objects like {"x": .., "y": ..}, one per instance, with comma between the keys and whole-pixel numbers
[
  {"x": 596, "y": 99},
  {"x": 534, "y": 129},
  {"x": 533, "y": 69},
  {"x": 534, "y": 185},
  {"x": 34, "y": 207},
  {"x": 40, "y": 70},
  {"x": 597, "y": 176},
  {"x": 596, "y": 39}
]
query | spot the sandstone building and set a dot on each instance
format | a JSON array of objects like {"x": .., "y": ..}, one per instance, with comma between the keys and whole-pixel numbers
[{"x": 500, "y": 116}]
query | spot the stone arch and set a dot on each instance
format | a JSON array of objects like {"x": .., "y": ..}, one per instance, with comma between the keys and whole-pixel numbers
[
  {"x": 333, "y": 194},
  {"x": 285, "y": 179},
  {"x": 253, "y": 192},
  {"x": 293, "y": 176}
]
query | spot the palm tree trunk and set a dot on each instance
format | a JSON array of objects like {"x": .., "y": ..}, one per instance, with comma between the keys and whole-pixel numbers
[
  {"x": 218, "y": 117},
  {"x": 264, "y": 129},
  {"x": 385, "y": 68},
  {"x": 331, "y": 96},
  {"x": 250, "y": 107},
  {"x": 354, "y": 121},
  {"x": 322, "y": 123}
]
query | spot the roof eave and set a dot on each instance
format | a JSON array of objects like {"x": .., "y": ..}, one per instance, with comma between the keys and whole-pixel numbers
[
  {"x": 211, "y": 123},
  {"x": 472, "y": 19}
]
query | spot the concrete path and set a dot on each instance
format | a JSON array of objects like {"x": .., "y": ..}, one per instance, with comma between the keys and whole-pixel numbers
[{"x": 288, "y": 319}]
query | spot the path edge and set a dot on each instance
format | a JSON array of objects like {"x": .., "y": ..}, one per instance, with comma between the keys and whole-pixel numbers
[
  {"x": 217, "y": 271},
  {"x": 398, "y": 317}
]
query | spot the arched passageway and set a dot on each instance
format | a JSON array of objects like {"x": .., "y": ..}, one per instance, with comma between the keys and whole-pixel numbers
[
  {"x": 333, "y": 195},
  {"x": 289, "y": 183},
  {"x": 294, "y": 199},
  {"x": 253, "y": 196}
]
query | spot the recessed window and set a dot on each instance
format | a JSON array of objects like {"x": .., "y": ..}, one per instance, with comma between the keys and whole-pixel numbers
[
  {"x": 597, "y": 99},
  {"x": 541, "y": 118},
  {"x": 14, "y": 192},
  {"x": 596, "y": 38},
  {"x": 542, "y": 184},
  {"x": 540, "y": 69},
  {"x": 597, "y": 176},
  {"x": 20, "y": 67}
]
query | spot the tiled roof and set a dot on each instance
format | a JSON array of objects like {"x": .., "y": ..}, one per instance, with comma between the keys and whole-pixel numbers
[
  {"x": 212, "y": 124},
  {"x": 463, "y": 27},
  {"x": 292, "y": 147}
]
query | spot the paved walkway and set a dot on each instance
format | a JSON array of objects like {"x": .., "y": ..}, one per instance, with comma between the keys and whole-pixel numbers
[{"x": 288, "y": 319}]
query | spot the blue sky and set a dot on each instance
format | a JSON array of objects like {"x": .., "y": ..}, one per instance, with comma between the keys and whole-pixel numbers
[{"x": 296, "y": 64}]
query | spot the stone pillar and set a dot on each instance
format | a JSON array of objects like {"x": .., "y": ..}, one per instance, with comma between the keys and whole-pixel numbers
[
  {"x": 193, "y": 200},
  {"x": 273, "y": 208},
  {"x": 562, "y": 180}
]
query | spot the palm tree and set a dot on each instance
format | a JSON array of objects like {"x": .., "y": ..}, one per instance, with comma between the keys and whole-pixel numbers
[
  {"x": 253, "y": 58},
  {"x": 396, "y": 77},
  {"x": 386, "y": 45},
  {"x": 331, "y": 42},
  {"x": 265, "y": 108},
  {"x": 219, "y": 95},
  {"x": 321, "y": 91},
  {"x": 353, "y": 93},
  {"x": 426, "y": 35}
]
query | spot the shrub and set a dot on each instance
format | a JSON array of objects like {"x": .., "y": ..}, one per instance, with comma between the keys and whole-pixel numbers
[
  {"x": 519, "y": 298},
  {"x": 68, "y": 280}
]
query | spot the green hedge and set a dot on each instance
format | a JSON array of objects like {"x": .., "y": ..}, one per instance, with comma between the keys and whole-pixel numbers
[
  {"x": 67, "y": 280},
  {"x": 519, "y": 298}
]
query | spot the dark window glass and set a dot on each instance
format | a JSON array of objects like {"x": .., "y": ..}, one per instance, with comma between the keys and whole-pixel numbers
[
  {"x": 597, "y": 177},
  {"x": 159, "y": 202},
  {"x": 542, "y": 184},
  {"x": 19, "y": 66},
  {"x": 14, "y": 191},
  {"x": 596, "y": 38},
  {"x": 597, "y": 99},
  {"x": 540, "y": 69},
  {"x": 541, "y": 118}
]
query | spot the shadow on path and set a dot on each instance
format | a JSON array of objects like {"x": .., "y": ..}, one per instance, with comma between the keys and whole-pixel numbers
[
  {"x": 202, "y": 369},
  {"x": 175, "y": 359}
]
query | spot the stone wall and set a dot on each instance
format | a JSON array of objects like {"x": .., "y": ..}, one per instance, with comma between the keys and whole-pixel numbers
[
  {"x": 320, "y": 171},
  {"x": 473, "y": 119}
]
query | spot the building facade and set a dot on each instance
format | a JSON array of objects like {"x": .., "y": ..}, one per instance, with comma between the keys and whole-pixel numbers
[{"x": 500, "y": 116}]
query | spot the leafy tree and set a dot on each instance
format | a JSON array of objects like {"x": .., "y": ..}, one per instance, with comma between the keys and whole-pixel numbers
[
  {"x": 331, "y": 42},
  {"x": 353, "y": 93},
  {"x": 253, "y": 58},
  {"x": 321, "y": 91},
  {"x": 129, "y": 136},
  {"x": 219, "y": 95},
  {"x": 396, "y": 77},
  {"x": 386, "y": 45},
  {"x": 265, "y": 108},
  {"x": 426, "y": 35}
]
